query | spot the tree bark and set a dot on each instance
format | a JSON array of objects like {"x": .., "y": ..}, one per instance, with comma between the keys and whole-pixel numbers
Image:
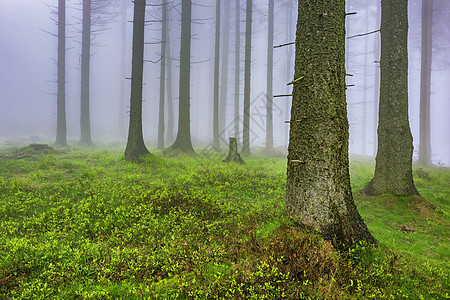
[
  {"x": 393, "y": 169},
  {"x": 318, "y": 193},
  {"x": 248, "y": 59},
  {"x": 170, "y": 118},
  {"x": 216, "y": 140},
  {"x": 269, "y": 93},
  {"x": 85, "y": 121},
  {"x": 61, "y": 132},
  {"x": 136, "y": 148},
  {"x": 425, "y": 83},
  {"x": 162, "y": 78},
  {"x": 123, "y": 55},
  {"x": 183, "y": 141},
  {"x": 233, "y": 154}
]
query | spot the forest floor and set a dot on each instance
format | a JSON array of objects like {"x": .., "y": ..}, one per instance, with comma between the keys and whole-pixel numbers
[{"x": 86, "y": 224}]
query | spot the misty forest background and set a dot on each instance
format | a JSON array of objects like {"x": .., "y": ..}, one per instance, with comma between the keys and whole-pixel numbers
[{"x": 29, "y": 53}]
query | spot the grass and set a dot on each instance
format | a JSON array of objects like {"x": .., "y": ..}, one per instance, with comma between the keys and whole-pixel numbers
[{"x": 90, "y": 225}]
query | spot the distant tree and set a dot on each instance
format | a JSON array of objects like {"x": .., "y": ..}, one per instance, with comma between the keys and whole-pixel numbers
[
  {"x": 393, "y": 169},
  {"x": 85, "y": 121},
  {"x": 216, "y": 140},
  {"x": 162, "y": 78},
  {"x": 269, "y": 93},
  {"x": 170, "y": 118},
  {"x": 318, "y": 193},
  {"x": 224, "y": 71},
  {"x": 425, "y": 83},
  {"x": 61, "y": 133},
  {"x": 183, "y": 141},
  {"x": 237, "y": 67},
  {"x": 123, "y": 62},
  {"x": 136, "y": 148},
  {"x": 247, "y": 70}
]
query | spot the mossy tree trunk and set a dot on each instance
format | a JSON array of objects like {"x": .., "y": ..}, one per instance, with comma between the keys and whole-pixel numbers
[
  {"x": 61, "y": 132},
  {"x": 318, "y": 191},
  {"x": 183, "y": 141},
  {"x": 393, "y": 169},
  {"x": 135, "y": 148},
  {"x": 233, "y": 154}
]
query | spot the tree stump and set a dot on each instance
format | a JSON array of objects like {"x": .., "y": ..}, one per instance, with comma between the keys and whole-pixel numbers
[{"x": 233, "y": 154}]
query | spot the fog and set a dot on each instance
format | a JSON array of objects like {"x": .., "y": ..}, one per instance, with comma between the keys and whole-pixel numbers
[{"x": 28, "y": 74}]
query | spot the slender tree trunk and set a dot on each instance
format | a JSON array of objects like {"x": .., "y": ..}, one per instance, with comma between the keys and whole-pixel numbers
[
  {"x": 318, "y": 190},
  {"x": 85, "y": 121},
  {"x": 376, "y": 84},
  {"x": 425, "y": 83},
  {"x": 366, "y": 91},
  {"x": 183, "y": 140},
  {"x": 237, "y": 68},
  {"x": 269, "y": 93},
  {"x": 290, "y": 36},
  {"x": 162, "y": 78},
  {"x": 393, "y": 169},
  {"x": 135, "y": 148},
  {"x": 170, "y": 118},
  {"x": 224, "y": 71},
  {"x": 248, "y": 59},
  {"x": 216, "y": 140},
  {"x": 123, "y": 55},
  {"x": 61, "y": 134}
]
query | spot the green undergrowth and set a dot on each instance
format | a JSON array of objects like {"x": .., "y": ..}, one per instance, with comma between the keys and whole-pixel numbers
[{"x": 90, "y": 225}]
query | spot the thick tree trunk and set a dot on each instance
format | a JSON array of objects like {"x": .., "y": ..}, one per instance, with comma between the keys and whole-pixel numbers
[
  {"x": 318, "y": 193},
  {"x": 85, "y": 121},
  {"x": 237, "y": 68},
  {"x": 183, "y": 141},
  {"x": 61, "y": 132},
  {"x": 393, "y": 169},
  {"x": 162, "y": 78},
  {"x": 216, "y": 140},
  {"x": 233, "y": 154},
  {"x": 224, "y": 71},
  {"x": 425, "y": 83},
  {"x": 135, "y": 148},
  {"x": 269, "y": 93},
  {"x": 248, "y": 59}
]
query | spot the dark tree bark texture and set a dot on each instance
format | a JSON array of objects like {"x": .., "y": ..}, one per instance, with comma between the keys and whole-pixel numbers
[
  {"x": 393, "y": 169},
  {"x": 183, "y": 141},
  {"x": 318, "y": 191},
  {"x": 61, "y": 132},
  {"x": 135, "y": 148},
  {"x": 233, "y": 154},
  {"x": 85, "y": 121}
]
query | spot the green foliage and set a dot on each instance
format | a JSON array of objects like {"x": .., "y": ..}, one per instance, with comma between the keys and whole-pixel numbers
[{"x": 90, "y": 225}]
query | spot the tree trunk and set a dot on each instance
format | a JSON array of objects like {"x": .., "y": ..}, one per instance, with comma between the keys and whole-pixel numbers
[
  {"x": 170, "y": 118},
  {"x": 425, "y": 83},
  {"x": 233, "y": 154},
  {"x": 318, "y": 190},
  {"x": 248, "y": 59},
  {"x": 123, "y": 59},
  {"x": 287, "y": 105},
  {"x": 85, "y": 70},
  {"x": 366, "y": 90},
  {"x": 269, "y": 93},
  {"x": 376, "y": 84},
  {"x": 183, "y": 141},
  {"x": 216, "y": 140},
  {"x": 162, "y": 78},
  {"x": 393, "y": 169},
  {"x": 237, "y": 68},
  {"x": 224, "y": 71},
  {"x": 135, "y": 148},
  {"x": 61, "y": 132}
]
